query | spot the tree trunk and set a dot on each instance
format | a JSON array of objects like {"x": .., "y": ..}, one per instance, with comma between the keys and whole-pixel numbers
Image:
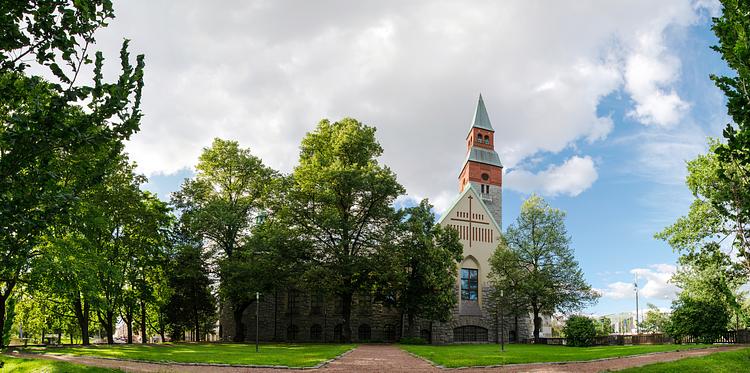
[
  {"x": 81, "y": 308},
  {"x": 239, "y": 326},
  {"x": 129, "y": 323},
  {"x": 275, "y": 313},
  {"x": 515, "y": 327},
  {"x": 144, "y": 338},
  {"x": 346, "y": 305},
  {"x": 2, "y": 321},
  {"x": 4, "y": 298},
  {"x": 537, "y": 324},
  {"x": 107, "y": 323}
]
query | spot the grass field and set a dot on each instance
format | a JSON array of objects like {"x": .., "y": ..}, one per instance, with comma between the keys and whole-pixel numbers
[
  {"x": 291, "y": 355},
  {"x": 467, "y": 355},
  {"x": 720, "y": 362},
  {"x": 11, "y": 364}
]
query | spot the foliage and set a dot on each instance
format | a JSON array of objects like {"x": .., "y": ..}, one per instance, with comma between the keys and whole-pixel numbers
[
  {"x": 54, "y": 135},
  {"x": 288, "y": 355},
  {"x": 704, "y": 319},
  {"x": 467, "y": 355},
  {"x": 579, "y": 331},
  {"x": 218, "y": 206},
  {"x": 654, "y": 321},
  {"x": 604, "y": 327},
  {"x": 733, "y": 201},
  {"x": 191, "y": 304},
  {"x": 535, "y": 251},
  {"x": 418, "y": 273},
  {"x": 340, "y": 199}
]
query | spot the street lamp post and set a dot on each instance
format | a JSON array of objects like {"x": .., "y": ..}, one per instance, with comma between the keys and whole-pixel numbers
[
  {"x": 637, "y": 321},
  {"x": 257, "y": 307}
]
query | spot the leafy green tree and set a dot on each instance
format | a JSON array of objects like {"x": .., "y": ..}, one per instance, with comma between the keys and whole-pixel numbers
[
  {"x": 549, "y": 277},
  {"x": 46, "y": 137},
  {"x": 604, "y": 327},
  {"x": 733, "y": 201},
  {"x": 341, "y": 200},
  {"x": 419, "y": 273},
  {"x": 219, "y": 204},
  {"x": 191, "y": 303},
  {"x": 506, "y": 284},
  {"x": 704, "y": 319},
  {"x": 654, "y": 321},
  {"x": 579, "y": 331}
]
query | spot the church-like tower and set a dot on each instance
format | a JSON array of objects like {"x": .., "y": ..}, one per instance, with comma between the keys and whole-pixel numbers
[{"x": 482, "y": 168}]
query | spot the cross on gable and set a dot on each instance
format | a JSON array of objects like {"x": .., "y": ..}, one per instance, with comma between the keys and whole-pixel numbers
[{"x": 470, "y": 220}]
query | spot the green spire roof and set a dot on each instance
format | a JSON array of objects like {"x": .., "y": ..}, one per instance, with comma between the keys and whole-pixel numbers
[{"x": 481, "y": 119}]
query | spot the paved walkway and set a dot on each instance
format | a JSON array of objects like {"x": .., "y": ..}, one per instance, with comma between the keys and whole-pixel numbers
[{"x": 391, "y": 359}]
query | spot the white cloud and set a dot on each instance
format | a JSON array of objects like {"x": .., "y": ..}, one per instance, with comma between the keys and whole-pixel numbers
[
  {"x": 654, "y": 283},
  {"x": 264, "y": 73},
  {"x": 649, "y": 73},
  {"x": 570, "y": 178}
]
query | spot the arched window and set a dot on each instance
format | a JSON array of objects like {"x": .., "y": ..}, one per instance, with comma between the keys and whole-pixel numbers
[
  {"x": 479, "y": 138},
  {"x": 316, "y": 332},
  {"x": 364, "y": 333},
  {"x": 469, "y": 284},
  {"x": 291, "y": 332},
  {"x": 470, "y": 333},
  {"x": 487, "y": 140}
]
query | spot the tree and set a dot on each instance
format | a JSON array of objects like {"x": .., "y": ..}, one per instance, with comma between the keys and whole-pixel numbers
[
  {"x": 45, "y": 136},
  {"x": 218, "y": 206},
  {"x": 341, "y": 200},
  {"x": 191, "y": 304},
  {"x": 704, "y": 319},
  {"x": 733, "y": 201},
  {"x": 549, "y": 279},
  {"x": 604, "y": 327},
  {"x": 418, "y": 273},
  {"x": 506, "y": 284},
  {"x": 654, "y": 321},
  {"x": 579, "y": 331}
]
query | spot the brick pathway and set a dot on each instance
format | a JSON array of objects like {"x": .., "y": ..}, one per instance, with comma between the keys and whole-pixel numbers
[{"x": 391, "y": 359}]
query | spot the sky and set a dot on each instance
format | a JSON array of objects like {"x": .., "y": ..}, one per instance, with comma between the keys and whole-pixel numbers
[{"x": 596, "y": 105}]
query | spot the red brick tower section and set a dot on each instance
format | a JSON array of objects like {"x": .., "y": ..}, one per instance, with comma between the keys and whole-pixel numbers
[
  {"x": 482, "y": 168},
  {"x": 478, "y": 172}
]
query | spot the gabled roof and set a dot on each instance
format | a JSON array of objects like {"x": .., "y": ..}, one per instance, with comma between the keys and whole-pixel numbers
[
  {"x": 470, "y": 189},
  {"x": 481, "y": 119}
]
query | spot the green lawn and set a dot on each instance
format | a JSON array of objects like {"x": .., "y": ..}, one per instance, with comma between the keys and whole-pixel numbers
[
  {"x": 467, "y": 355},
  {"x": 291, "y": 355},
  {"x": 721, "y": 362},
  {"x": 12, "y": 364}
]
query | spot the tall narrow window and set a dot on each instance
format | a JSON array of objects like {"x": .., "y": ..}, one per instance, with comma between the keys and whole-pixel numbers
[
  {"x": 469, "y": 284},
  {"x": 479, "y": 138},
  {"x": 487, "y": 140}
]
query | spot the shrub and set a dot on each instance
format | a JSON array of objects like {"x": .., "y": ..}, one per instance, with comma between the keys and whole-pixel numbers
[
  {"x": 413, "y": 341},
  {"x": 579, "y": 331}
]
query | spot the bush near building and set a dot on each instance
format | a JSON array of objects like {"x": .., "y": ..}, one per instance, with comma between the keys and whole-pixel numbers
[{"x": 579, "y": 331}]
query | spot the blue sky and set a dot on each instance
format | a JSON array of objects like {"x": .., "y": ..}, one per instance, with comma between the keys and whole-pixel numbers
[{"x": 596, "y": 105}]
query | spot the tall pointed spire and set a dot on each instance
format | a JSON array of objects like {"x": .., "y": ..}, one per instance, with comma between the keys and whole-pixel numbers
[{"x": 481, "y": 119}]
